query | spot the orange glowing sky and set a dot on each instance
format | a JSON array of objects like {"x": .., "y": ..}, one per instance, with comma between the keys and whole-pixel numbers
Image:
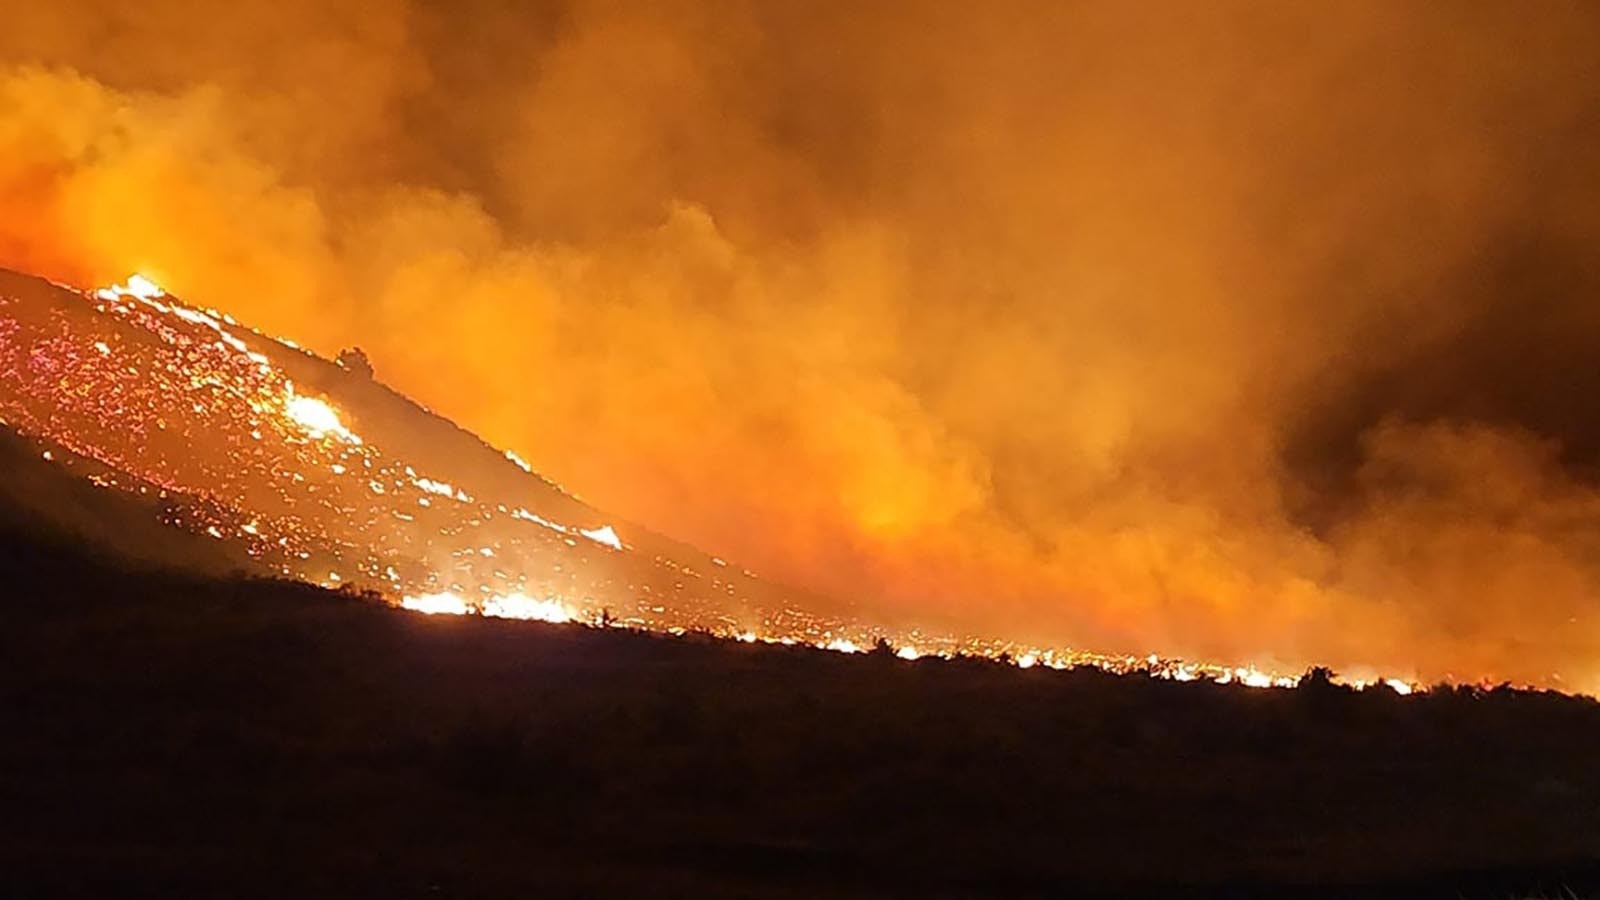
[{"x": 1226, "y": 329}]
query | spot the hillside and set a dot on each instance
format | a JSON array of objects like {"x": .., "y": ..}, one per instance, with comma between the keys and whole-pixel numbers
[
  {"x": 180, "y": 735},
  {"x": 325, "y": 475},
  {"x": 188, "y": 716}
]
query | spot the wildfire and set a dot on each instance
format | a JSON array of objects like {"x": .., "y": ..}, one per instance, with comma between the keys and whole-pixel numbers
[{"x": 163, "y": 399}]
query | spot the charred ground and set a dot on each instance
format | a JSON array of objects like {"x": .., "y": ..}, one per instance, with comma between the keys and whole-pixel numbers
[{"x": 189, "y": 735}]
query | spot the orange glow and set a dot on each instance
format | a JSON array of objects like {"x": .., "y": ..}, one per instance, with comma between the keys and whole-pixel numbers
[{"x": 1191, "y": 343}]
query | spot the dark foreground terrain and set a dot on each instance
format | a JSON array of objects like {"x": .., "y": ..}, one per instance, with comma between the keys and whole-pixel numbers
[{"x": 167, "y": 735}]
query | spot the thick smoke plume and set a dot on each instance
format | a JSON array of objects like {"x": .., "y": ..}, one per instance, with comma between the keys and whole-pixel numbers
[{"x": 1259, "y": 331}]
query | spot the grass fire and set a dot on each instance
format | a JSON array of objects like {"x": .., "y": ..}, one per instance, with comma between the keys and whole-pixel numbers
[{"x": 767, "y": 449}]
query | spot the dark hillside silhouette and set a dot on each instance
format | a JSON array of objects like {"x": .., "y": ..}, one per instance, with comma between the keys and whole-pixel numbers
[{"x": 186, "y": 735}]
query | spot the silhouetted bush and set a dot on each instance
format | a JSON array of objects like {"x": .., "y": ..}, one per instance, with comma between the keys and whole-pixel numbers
[{"x": 355, "y": 361}]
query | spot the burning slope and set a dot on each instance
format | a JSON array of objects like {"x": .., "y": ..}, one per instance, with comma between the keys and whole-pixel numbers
[
  {"x": 320, "y": 473},
  {"x": 157, "y": 396}
]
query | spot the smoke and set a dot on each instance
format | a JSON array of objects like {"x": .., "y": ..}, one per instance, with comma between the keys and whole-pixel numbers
[{"x": 1253, "y": 331}]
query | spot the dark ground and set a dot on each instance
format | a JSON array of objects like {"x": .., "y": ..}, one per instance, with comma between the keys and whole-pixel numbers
[{"x": 167, "y": 735}]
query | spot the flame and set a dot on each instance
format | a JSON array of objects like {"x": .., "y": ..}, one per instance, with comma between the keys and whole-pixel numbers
[
  {"x": 519, "y": 462},
  {"x": 518, "y": 606},
  {"x": 317, "y": 418},
  {"x": 512, "y": 606},
  {"x": 605, "y": 534},
  {"x": 437, "y": 605},
  {"x": 137, "y": 286}
]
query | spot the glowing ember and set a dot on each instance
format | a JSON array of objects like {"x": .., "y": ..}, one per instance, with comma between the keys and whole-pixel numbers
[
  {"x": 436, "y": 487},
  {"x": 442, "y": 489}
]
